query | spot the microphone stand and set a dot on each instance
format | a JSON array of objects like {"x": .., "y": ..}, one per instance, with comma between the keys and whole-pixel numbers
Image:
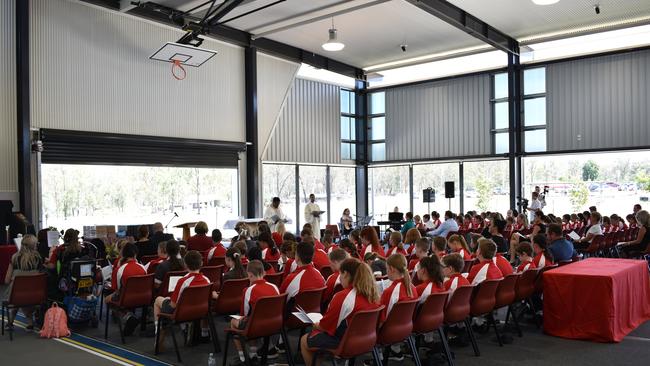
[{"x": 172, "y": 219}]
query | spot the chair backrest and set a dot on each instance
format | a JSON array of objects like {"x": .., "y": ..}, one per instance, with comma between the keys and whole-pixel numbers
[
  {"x": 399, "y": 323},
  {"x": 361, "y": 335},
  {"x": 213, "y": 273},
  {"x": 217, "y": 261},
  {"x": 458, "y": 307},
  {"x": 326, "y": 271},
  {"x": 137, "y": 292},
  {"x": 164, "y": 285},
  {"x": 147, "y": 258},
  {"x": 230, "y": 297},
  {"x": 193, "y": 304},
  {"x": 539, "y": 283},
  {"x": 431, "y": 314},
  {"x": 505, "y": 294},
  {"x": 309, "y": 301},
  {"x": 29, "y": 289},
  {"x": 266, "y": 317},
  {"x": 151, "y": 268},
  {"x": 484, "y": 297},
  {"x": 525, "y": 285},
  {"x": 274, "y": 278}
]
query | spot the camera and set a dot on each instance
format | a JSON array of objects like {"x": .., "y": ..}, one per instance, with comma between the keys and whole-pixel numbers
[
  {"x": 597, "y": 9},
  {"x": 522, "y": 203},
  {"x": 403, "y": 47}
]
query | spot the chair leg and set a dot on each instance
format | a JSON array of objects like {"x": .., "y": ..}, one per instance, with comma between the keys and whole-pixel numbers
[
  {"x": 468, "y": 325},
  {"x": 178, "y": 353},
  {"x": 516, "y": 321},
  {"x": 157, "y": 336},
  {"x": 532, "y": 307},
  {"x": 445, "y": 346},
  {"x": 3, "y": 319},
  {"x": 119, "y": 324},
  {"x": 106, "y": 322},
  {"x": 225, "y": 348},
  {"x": 265, "y": 350},
  {"x": 508, "y": 315},
  {"x": 386, "y": 354},
  {"x": 214, "y": 335},
  {"x": 351, "y": 361},
  {"x": 244, "y": 346},
  {"x": 496, "y": 328},
  {"x": 287, "y": 348},
  {"x": 375, "y": 355},
  {"x": 414, "y": 350},
  {"x": 143, "y": 319}
]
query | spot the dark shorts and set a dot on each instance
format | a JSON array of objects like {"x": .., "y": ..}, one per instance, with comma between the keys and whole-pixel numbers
[
  {"x": 324, "y": 340},
  {"x": 166, "y": 307},
  {"x": 242, "y": 323}
]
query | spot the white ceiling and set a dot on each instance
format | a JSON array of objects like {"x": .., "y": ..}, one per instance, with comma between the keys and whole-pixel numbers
[{"x": 373, "y": 34}]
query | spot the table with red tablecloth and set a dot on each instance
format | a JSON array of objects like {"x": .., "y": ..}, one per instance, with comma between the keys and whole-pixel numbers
[
  {"x": 6, "y": 251},
  {"x": 597, "y": 299}
]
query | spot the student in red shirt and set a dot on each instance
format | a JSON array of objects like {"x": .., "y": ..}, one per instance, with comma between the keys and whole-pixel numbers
[
  {"x": 430, "y": 273},
  {"x": 395, "y": 244},
  {"x": 350, "y": 248},
  {"x": 320, "y": 258},
  {"x": 503, "y": 264},
  {"x": 543, "y": 256},
  {"x": 200, "y": 242},
  {"x": 287, "y": 255},
  {"x": 218, "y": 250},
  {"x": 370, "y": 242},
  {"x": 336, "y": 257},
  {"x": 453, "y": 265},
  {"x": 306, "y": 276},
  {"x": 525, "y": 253},
  {"x": 258, "y": 288},
  {"x": 307, "y": 232},
  {"x": 457, "y": 244},
  {"x": 422, "y": 248},
  {"x": 255, "y": 254},
  {"x": 485, "y": 269},
  {"x": 359, "y": 293},
  {"x": 270, "y": 251},
  {"x": 328, "y": 241},
  {"x": 162, "y": 256},
  {"x": 439, "y": 246}
]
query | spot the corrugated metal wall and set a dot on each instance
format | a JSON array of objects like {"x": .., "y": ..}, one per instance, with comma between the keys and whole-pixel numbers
[
  {"x": 440, "y": 119},
  {"x": 309, "y": 128},
  {"x": 601, "y": 102},
  {"x": 91, "y": 71},
  {"x": 8, "y": 134}
]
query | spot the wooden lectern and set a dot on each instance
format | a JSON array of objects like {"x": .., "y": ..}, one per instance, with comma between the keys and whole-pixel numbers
[{"x": 186, "y": 229}]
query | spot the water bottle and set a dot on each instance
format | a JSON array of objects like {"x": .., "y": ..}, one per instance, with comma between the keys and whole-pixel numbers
[{"x": 211, "y": 360}]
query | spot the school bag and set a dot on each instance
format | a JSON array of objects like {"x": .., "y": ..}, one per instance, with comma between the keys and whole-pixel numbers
[{"x": 55, "y": 324}]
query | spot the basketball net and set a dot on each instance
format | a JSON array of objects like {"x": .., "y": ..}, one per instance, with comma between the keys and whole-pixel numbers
[{"x": 178, "y": 75}]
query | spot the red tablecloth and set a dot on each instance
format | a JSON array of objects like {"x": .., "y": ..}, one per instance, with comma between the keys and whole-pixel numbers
[
  {"x": 6, "y": 251},
  {"x": 597, "y": 299}
]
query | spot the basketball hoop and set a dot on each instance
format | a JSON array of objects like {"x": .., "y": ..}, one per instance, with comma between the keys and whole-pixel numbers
[
  {"x": 176, "y": 64},
  {"x": 180, "y": 55}
]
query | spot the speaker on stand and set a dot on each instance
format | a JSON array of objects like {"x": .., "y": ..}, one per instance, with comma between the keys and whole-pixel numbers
[{"x": 449, "y": 192}]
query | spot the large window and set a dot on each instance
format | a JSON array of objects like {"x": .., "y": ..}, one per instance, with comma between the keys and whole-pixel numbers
[
  {"x": 613, "y": 182},
  {"x": 377, "y": 124},
  {"x": 500, "y": 115},
  {"x": 487, "y": 186},
  {"x": 435, "y": 176},
  {"x": 280, "y": 181},
  {"x": 535, "y": 109},
  {"x": 74, "y": 196},
  {"x": 313, "y": 180},
  {"x": 348, "y": 125},
  {"x": 343, "y": 192},
  {"x": 388, "y": 188}
]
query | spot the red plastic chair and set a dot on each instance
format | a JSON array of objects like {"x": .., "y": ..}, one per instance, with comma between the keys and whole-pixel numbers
[
  {"x": 483, "y": 302},
  {"x": 266, "y": 319},
  {"x": 524, "y": 289},
  {"x": 193, "y": 305},
  {"x": 274, "y": 278},
  {"x": 163, "y": 290},
  {"x": 430, "y": 317},
  {"x": 147, "y": 258},
  {"x": 151, "y": 268},
  {"x": 458, "y": 309},
  {"x": 213, "y": 273},
  {"x": 359, "y": 338},
  {"x": 216, "y": 261},
  {"x": 398, "y": 328},
  {"x": 310, "y": 301},
  {"x": 136, "y": 293},
  {"x": 230, "y": 297},
  {"x": 505, "y": 294},
  {"x": 27, "y": 290},
  {"x": 336, "y": 234}
]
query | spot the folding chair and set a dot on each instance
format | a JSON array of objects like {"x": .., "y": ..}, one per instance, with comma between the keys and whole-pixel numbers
[
  {"x": 483, "y": 301},
  {"x": 458, "y": 309},
  {"x": 274, "y": 278},
  {"x": 230, "y": 297},
  {"x": 27, "y": 290},
  {"x": 524, "y": 289},
  {"x": 214, "y": 274},
  {"x": 308, "y": 300},
  {"x": 505, "y": 294},
  {"x": 398, "y": 328},
  {"x": 163, "y": 290},
  {"x": 430, "y": 317},
  {"x": 136, "y": 293}
]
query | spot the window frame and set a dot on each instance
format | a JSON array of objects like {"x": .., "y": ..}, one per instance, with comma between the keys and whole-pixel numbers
[
  {"x": 493, "y": 102},
  {"x": 525, "y": 97},
  {"x": 353, "y": 125},
  {"x": 372, "y": 116}
]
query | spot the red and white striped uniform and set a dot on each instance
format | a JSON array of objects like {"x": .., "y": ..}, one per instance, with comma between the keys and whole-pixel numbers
[
  {"x": 368, "y": 249},
  {"x": 393, "y": 250},
  {"x": 524, "y": 266},
  {"x": 394, "y": 293},
  {"x": 216, "y": 251},
  {"x": 153, "y": 261},
  {"x": 427, "y": 288},
  {"x": 331, "y": 248},
  {"x": 503, "y": 264},
  {"x": 455, "y": 281},
  {"x": 333, "y": 280},
  {"x": 304, "y": 278},
  {"x": 320, "y": 259},
  {"x": 252, "y": 293},
  {"x": 289, "y": 267},
  {"x": 414, "y": 265},
  {"x": 344, "y": 304},
  {"x": 269, "y": 256},
  {"x": 485, "y": 270},
  {"x": 465, "y": 254},
  {"x": 540, "y": 261},
  {"x": 189, "y": 280},
  {"x": 122, "y": 272}
]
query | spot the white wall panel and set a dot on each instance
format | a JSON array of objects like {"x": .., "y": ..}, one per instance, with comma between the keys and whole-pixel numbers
[
  {"x": 308, "y": 130},
  {"x": 91, "y": 71},
  {"x": 446, "y": 118},
  {"x": 8, "y": 134},
  {"x": 599, "y": 103}
]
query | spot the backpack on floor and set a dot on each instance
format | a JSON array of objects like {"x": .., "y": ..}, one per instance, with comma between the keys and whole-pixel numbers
[{"x": 55, "y": 324}]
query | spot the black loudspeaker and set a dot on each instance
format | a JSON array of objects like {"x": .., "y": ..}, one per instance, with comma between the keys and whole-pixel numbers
[
  {"x": 449, "y": 189},
  {"x": 429, "y": 195}
]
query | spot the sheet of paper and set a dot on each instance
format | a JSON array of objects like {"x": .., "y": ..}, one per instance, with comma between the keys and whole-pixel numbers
[
  {"x": 173, "y": 280},
  {"x": 236, "y": 316},
  {"x": 18, "y": 242},
  {"x": 573, "y": 235},
  {"x": 315, "y": 317},
  {"x": 52, "y": 238},
  {"x": 106, "y": 272}
]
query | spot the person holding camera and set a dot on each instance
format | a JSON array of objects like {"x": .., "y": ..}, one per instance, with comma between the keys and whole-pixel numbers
[{"x": 535, "y": 204}]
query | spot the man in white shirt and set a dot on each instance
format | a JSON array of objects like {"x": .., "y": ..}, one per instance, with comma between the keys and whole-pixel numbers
[
  {"x": 535, "y": 205},
  {"x": 273, "y": 213},
  {"x": 312, "y": 216}
]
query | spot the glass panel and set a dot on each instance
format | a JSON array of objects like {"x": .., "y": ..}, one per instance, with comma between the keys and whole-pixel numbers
[
  {"x": 345, "y": 151},
  {"x": 312, "y": 181},
  {"x": 352, "y": 104},
  {"x": 501, "y": 117},
  {"x": 134, "y": 195},
  {"x": 388, "y": 188},
  {"x": 535, "y": 112},
  {"x": 435, "y": 176},
  {"x": 345, "y": 128},
  {"x": 378, "y": 128},
  {"x": 487, "y": 186},
  {"x": 378, "y": 151},
  {"x": 353, "y": 151},
  {"x": 345, "y": 101},
  {"x": 500, "y": 86},
  {"x": 342, "y": 191},
  {"x": 378, "y": 103},
  {"x": 535, "y": 81},
  {"x": 501, "y": 143},
  {"x": 535, "y": 140},
  {"x": 280, "y": 181}
]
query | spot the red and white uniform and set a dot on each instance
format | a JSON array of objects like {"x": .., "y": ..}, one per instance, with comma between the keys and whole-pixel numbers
[
  {"x": 318, "y": 244},
  {"x": 153, "y": 262},
  {"x": 216, "y": 251},
  {"x": 122, "y": 272},
  {"x": 333, "y": 280},
  {"x": 436, "y": 223},
  {"x": 344, "y": 304},
  {"x": 304, "y": 278},
  {"x": 331, "y": 248},
  {"x": 455, "y": 281},
  {"x": 524, "y": 266},
  {"x": 393, "y": 250},
  {"x": 189, "y": 280},
  {"x": 441, "y": 254},
  {"x": 277, "y": 238},
  {"x": 252, "y": 293},
  {"x": 368, "y": 249},
  {"x": 427, "y": 288},
  {"x": 414, "y": 265},
  {"x": 394, "y": 293},
  {"x": 464, "y": 253},
  {"x": 320, "y": 259},
  {"x": 482, "y": 271},
  {"x": 269, "y": 256},
  {"x": 503, "y": 264},
  {"x": 289, "y": 267},
  {"x": 541, "y": 262}
]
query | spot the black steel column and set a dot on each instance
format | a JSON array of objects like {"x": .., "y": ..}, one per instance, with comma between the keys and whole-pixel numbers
[
  {"x": 252, "y": 162},
  {"x": 362, "y": 147},
  {"x": 515, "y": 130},
  {"x": 461, "y": 187},
  {"x": 23, "y": 105}
]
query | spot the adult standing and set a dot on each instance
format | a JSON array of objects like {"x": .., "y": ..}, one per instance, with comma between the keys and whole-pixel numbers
[
  {"x": 273, "y": 213},
  {"x": 535, "y": 205},
  {"x": 312, "y": 215}
]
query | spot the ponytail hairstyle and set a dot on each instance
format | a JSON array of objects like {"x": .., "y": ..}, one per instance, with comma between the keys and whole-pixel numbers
[
  {"x": 71, "y": 242},
  {"x": 255, "y": 253},
  {"x": 433, "y": 269},
  {"x": 235, "y": 256},
  {"x": 349, "y": 247},
  {"x": 370, "y": 235},
  {"x": 266, "y": 237},
  {"x": 362, "y": 279},
  {"x": 355, "y": 237},
  {"x": 460, "y": 240},
  {"x": 173, "y": 250},
  {"x": 398, "y": 261},
  {"x": 396, "y": 236},
  {"x": 540, "y": 241}
]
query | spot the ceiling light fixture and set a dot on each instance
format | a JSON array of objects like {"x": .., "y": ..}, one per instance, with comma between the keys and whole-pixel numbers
[
  {"x": 332, "y": 43},
  {"x": 545, "y": 2}
]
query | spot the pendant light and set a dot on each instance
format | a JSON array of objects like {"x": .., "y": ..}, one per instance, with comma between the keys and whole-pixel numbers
[
  {"x": 545, "y": 2},
  {"x": 332, "y": 43}
]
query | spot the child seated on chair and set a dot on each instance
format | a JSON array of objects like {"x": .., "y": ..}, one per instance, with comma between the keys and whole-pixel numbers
[
  {"x": 457, "y": 244},
  {"x": 453, "y": 265},
  {"x": 258, "y": 288},
  {"x": 336, "y": 256},
  {"x": 359, "y": 293},
  {"x": 525, "y": 254},
  {"x": 439, "y": 246},
  {"x": 395, "y": 244},
  {"x": 430, "y": 273},
  {"x": 162, "y": 256},
  {"x": 125, "y": 268},
  {"x": 422, "y": 248},
  {"x": 485, "y": 269}
]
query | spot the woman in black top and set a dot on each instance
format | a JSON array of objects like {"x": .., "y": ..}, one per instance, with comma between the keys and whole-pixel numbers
[
  {"x": 639, "y": 245},
  {"x": 174, "y": 262}
]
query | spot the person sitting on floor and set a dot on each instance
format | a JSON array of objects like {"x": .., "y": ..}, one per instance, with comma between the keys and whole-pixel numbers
[
  {"x": 485, "y": 269},
  {"x": 453, "y": 265},
  {"x": 525, "y": 254}
]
